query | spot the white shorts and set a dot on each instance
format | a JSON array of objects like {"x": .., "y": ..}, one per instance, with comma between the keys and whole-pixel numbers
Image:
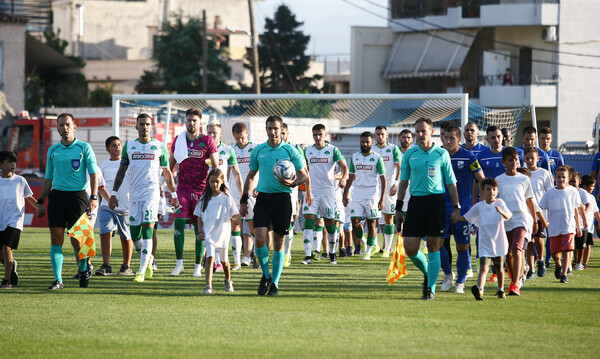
[
  {"x": 294, "y": 198},
  {"x": 364, "y": 208},
  {"x": 389, "y": 203},
  {"x": 211, "y": 250},
  {"x": 143, "y": 212},
  {"x": 347, "y": 217},
  {"x": 322, "y": 207},
  {"x": 251, "y": 204},
  {"x": 340, "y": 213}
]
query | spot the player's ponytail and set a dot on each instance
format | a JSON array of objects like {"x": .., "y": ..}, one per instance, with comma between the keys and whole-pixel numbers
[{"x": 208, "y": 192}]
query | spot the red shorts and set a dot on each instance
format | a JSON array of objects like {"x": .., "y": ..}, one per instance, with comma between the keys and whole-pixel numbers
[
  {"x": 516, "y": 238},
  {"x": 562, "y": 243},
  {"x": 187, "y": 204}
]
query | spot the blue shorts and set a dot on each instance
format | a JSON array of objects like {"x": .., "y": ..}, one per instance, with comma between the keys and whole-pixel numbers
[
  {"x": 460, "y": 230},
  {"x": 110, "y": 221}
]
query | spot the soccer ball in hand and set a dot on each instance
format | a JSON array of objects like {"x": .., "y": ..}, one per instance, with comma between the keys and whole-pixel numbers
[{"x": 284, "y": 170}]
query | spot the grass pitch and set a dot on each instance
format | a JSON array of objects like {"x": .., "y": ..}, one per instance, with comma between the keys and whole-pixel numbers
[{"x": 343, "y": 311}]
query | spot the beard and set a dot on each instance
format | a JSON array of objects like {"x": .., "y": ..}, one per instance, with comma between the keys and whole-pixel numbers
[{"x": 365, "y": 149}]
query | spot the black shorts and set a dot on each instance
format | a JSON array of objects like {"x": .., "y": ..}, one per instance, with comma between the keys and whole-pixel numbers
[
  {"x": 273, "y": 210},
  {"x": 541, "y": 232},
  {"x": 10, "y": 237},
  {"x": 426, "y": 216},
  {"x": 65, "y": 207},
  {"x": 589, "y": 240}
]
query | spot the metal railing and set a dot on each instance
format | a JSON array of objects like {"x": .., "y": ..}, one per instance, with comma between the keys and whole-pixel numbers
[
  {"x": 416, "y": 8},
  {"x": 37, "y": 12},
  {"x": 503, "y": 2}
]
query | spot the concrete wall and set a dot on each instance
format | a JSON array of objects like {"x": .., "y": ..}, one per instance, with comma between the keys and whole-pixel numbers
[
  {"x": 370, "y": 47},
  {"x": 578, "y": 88},
  {"x": 12, "y": 38}
]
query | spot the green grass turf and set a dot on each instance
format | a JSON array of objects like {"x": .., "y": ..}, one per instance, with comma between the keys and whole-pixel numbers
[{"x": 343, "y": 311}]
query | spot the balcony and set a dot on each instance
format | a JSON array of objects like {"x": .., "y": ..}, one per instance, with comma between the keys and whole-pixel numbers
[
  {"x": 37, "y": 12},
  {"x": 527, "y": 91},
  {"x": 518, "y": 12}
]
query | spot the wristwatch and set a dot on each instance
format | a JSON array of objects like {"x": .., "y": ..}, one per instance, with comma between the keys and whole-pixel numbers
[
  {"x": 457, "y": 206},
  {"x": 94, "y": 197}
]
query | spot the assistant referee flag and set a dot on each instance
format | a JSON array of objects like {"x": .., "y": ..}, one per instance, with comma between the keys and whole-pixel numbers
[
  {"x": 83, "y": 231},
  {"x": 397, "y": 267}
]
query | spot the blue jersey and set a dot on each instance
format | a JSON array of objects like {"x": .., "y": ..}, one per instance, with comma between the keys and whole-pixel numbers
[
  {"x": 556, "y": 160},
  {"x": 464, "y": 165},
  {"x": 475, "y": 149},
  {"x": 543, "y": 161},
  {"x": 492, "y": 162}
]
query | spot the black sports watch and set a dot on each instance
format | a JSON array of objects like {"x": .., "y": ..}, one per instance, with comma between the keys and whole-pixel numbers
[
  {"x": 95, "y": 197},
  {"x": 457, "y": 206}
]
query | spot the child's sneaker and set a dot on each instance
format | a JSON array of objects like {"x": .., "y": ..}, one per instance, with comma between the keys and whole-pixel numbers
[
  {"x": 564, "y": 279},
  {"x": 14, "y": 276},
  {"x": 349, "y": 251},
  {"x": 6, "y": 284},
  {"x": 207, "y": 290},
  {"x": 493, "y": 278},
  {"x": 460, "y": 288},
  {"x": 154, "y": 266},
  {"x": 541, "y": 268},
  {"x": 500, "y": 294},
  {"x": 229, "y": 286},
  {"x": 530, "y": 274},
  {"x": 287, "y": 261},
  {"x": 477, "y": 293}
]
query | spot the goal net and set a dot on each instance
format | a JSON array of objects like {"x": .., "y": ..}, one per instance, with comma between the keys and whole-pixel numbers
[{"x": 341, "y": 114}]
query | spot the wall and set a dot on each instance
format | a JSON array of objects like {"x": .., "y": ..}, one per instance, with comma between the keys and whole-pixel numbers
[
  {"x": 369, "y": 47},
  {"x": 12, "y": 36}
]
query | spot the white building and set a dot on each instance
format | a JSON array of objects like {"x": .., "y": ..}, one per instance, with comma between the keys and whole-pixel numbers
[{"x": 431, "y": 47}]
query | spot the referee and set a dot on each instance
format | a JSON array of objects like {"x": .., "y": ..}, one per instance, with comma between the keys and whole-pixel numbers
[
  {"x": 426, "y": 167},
  {"x": 273, "y": 207},
  {"x": 65, "y": 182}
]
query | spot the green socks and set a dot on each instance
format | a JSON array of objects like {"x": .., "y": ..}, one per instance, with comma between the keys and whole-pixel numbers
[
  {"x": 179, "y": 237},
  {"x": 420, "y": 261},
  {"x": 56, "y": 257},
  {"x": 278, "y": 258},
  {"x": 262, "y": 254}
]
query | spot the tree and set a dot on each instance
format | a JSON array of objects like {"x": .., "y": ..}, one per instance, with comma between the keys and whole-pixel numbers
[
  {"x": 178, "y": 55},
  {"x": 281, "y": 53}
]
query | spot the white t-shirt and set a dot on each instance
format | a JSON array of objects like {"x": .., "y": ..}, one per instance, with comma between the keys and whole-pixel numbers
[
  {"x": 492, "y": 234},
  {"x": 109, "y": 171},
  {"x": 514, "y": 191},
  {"x": 541, "y": 181},
  {"x": 145, "y": 160},
  {"x": 321, "y": 165},
  {"x": 216, "y": 219},
  {"x": 366, "y": 171},
  {"x": 590, "y": 214},
  {"x": 584, "y": 200},
  {"x": 561, "y": 204},
  {"x": 13, "y": 192}
]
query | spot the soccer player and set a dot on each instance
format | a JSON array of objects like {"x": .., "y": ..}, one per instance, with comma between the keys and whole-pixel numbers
[
  {"x": 243, "y": 150},
  {"x": 190, "y": 151},
  {"x": 65, "y": 182},
  {"x": 321, "y": 158},
  {"x": 391, "y": 156},
  {"x": 426, "y": 168},
  {"x": 466, "y": 170},
  {"x": 118, "y": 219},
  {"x": 15, "y": 191},
  {"x": 541, "y": 182},
  {"x": 529, "y": 137},
  {"x": 490, "y": 159},
  {"x": 406, "y": 142},
  {"x": 228, "y": 165},
  {"x": 471, "y": 133},
  {"x": 367, "y": 179},
  {"x": 555, "y": 158},
  {"x": 515, "y": 190},
  {"x": 142, "y": 157},
  {"x": 273, "y": 204}
]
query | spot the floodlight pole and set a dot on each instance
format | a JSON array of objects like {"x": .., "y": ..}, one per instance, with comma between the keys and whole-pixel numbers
[
  {"x": 464, "y": 114},
  {"x": 534, "y": 123},
  {"x": 254, "y": 36},
  {"x": 204, "y": 53}
]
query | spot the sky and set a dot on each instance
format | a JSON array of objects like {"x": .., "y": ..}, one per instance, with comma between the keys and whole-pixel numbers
[{"x": 328, "y": 22}]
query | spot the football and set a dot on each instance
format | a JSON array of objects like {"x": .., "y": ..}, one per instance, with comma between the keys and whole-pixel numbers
[{"x": 284, "y": 170}]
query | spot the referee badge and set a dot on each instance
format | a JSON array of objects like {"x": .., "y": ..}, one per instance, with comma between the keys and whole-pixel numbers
[{"x": 76, "y": 164}]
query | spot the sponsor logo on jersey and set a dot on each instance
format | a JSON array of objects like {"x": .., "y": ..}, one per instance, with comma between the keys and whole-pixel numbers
[
  {"x": 385, "y": 158},
  {"x": 243, "y": 159},
  {"x": 460, "y": 164},
  {"x": 136, "y": 156},
  {"x": 195, "y": 153},
  {"x": 319, "y": 160},
  {"x": 362, "y": 167},
  {"x": 221, "y": 162}
]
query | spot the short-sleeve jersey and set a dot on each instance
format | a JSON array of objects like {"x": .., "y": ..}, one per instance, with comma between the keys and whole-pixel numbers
[
  {"x": 589, "y": 215},
  {"x": 216, "y": 219},
  {"x": 561, "y": 204},
  {"x": 427, "y": 171},
  {"x": 264, "y": 157},
  {"x": 13, "y": 191},
  {"x": 227, "y": 157},
  {"x": 366, "y": 171},
  {"x": 464, "y": 166},
  {"x": 515, "y": 190},
  {"x": 543, "y": 160},
  {"x": 243, "y": 160},
  {"x": 193, "y": 171},
  {"x": 390, "y": 154},
  {"x": 556, "y": 160},
  {"x": 492, "y": 162},
  {"x": 321, "y": 164},
  {"x": 68, "y": 166},
  {"x": 144, "y": 161},
  {"x": 540, "y": 182},
  {"x": 109, "y": 171},
  {"x": 492, "y": 234},
  {"x": 475, "y": 149}
]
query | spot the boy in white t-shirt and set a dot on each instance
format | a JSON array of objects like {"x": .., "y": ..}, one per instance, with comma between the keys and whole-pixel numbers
[
  {"x": 587, "y": 183},
  {"x": 562, "y": 203},
  {"x": 489, "y": 216},
  {"x": 14, "y": 190},
  {"x": 515, "y": 189},
  {"x": 580, "y": 241}
]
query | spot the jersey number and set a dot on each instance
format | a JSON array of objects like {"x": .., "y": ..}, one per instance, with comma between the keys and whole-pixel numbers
[{"x": 148, "y": 215}]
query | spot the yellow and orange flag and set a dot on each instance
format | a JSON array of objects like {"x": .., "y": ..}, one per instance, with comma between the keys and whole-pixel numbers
[
  {"x": 83, "y": 231},
  {"x": 397, "y": 267}
]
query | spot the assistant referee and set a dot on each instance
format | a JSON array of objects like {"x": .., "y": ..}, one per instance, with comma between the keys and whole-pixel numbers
[
  {"x": 427, "y": 167},
  {"x": 65, "y": 182}
]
